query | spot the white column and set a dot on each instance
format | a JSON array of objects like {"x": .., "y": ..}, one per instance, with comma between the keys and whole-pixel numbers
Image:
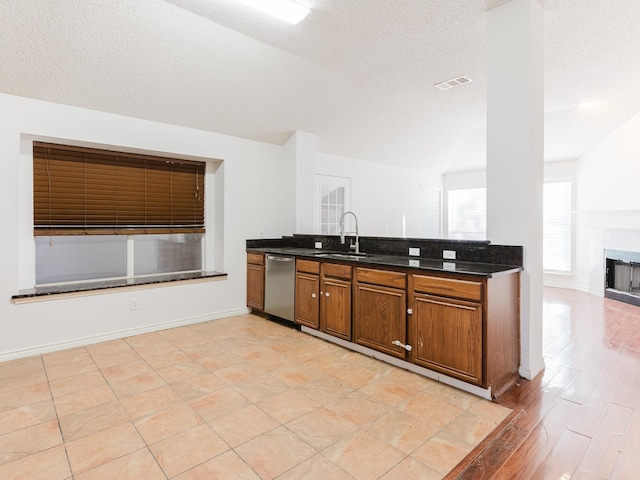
[
  {"x": 299, "y": 170},
  {"x": 515, "y": 149}
]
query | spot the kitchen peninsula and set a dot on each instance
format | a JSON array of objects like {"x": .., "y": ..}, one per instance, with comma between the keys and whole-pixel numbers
[{"x": 446, "y": 309}]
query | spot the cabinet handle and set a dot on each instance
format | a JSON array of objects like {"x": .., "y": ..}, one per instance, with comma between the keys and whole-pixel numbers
[
  {"x": 326, "y": 294},
  {"x": 410, "y": 311},
  {"x": 313, "y": 295},
  {"x": 398, "y": 343}
]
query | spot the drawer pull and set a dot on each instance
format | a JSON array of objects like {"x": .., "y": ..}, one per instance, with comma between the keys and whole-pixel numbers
[
  {"x": 313, "y": 295},
  {"x": 398, "y": 343}
]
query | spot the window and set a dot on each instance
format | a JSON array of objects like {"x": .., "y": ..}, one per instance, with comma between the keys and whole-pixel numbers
[
  {"x": 557, "y": 227},
  {"x": 332, "y": 194},
  {"x": 468, "y": 214},
  {"x": 467, "y": 220},
  {"x": 430, "y": 208},
  {"x": 101, "y": 214}
]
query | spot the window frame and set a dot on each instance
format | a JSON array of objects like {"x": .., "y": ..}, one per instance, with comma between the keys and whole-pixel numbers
[{"x": 212, "y": 257}]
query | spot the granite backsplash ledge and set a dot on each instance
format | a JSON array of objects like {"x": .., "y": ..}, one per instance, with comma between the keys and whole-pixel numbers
[{"x": 466, "y": 250}]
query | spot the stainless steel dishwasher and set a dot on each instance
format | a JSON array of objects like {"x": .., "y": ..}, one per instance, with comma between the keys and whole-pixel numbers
[{"x": 279, "y": 288}]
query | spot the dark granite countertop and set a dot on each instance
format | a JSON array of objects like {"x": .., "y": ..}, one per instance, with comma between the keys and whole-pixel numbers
[
  {"x": 109, "y": 284},
  {"x": 401, "y": 261}
]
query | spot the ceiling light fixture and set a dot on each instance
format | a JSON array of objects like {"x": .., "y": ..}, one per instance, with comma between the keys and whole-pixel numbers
[
  {"x": 286, "y": 10},
  {"x": 454, "y": 82}
]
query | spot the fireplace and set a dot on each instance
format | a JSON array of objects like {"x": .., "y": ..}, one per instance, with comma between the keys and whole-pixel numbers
[{"x": 622, "y": 276}]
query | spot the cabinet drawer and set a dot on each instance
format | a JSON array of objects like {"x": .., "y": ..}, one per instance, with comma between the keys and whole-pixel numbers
[
  {"x": 255, "y": 258},
  {"x": 308, "y": 266},
  {"x": 448, "y": 287},
  {"x": 381, "y": 277},
  {"x": 337, "y": 270}
]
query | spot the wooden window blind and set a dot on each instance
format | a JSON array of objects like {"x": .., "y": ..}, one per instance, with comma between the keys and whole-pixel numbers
[{"x": 84, "y": 191}]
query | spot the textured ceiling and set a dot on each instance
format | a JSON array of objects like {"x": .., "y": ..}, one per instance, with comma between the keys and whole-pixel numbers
[{"x": 358, "y": 74}]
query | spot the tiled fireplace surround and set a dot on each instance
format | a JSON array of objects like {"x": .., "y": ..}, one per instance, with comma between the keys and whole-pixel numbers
[{"x": 600, "y": 240}]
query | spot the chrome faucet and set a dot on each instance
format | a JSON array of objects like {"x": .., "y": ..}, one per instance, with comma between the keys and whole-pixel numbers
[{"x": 342, "y": 232}]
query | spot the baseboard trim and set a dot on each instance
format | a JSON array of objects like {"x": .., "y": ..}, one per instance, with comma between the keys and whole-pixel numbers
[
  {"x": 566, "y": 286},
  {"x": 531, "y": 373},
  {"x": 81, "y": 342}
]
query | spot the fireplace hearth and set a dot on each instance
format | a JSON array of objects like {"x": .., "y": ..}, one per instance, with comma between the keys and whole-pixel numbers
[{"x": 622, "y": 276}]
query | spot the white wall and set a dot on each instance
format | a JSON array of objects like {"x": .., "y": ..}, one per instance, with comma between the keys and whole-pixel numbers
[
  {"x": 300, "y": 153},
  {"x": 252, "y": 198},
  {"x": 252, "y": 204},
  {"x": 614, "y": 162},
  {"x": 608, "y": 204},
  {"x": 381, "y": 195}
]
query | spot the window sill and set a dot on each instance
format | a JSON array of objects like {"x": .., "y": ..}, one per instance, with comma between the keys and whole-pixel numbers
[{"x": 52, "y": 292}]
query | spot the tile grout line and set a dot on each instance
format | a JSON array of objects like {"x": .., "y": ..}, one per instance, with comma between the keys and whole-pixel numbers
[
  {"x": 55, "y": 409},
  {"x": 179, "y": 347}
]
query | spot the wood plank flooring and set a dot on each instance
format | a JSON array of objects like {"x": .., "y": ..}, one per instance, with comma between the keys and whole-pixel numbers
[{"x": 580, "y": 418}]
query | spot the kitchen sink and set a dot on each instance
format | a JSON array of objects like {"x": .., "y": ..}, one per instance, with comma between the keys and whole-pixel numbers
[{"x": 351, "y": 256}]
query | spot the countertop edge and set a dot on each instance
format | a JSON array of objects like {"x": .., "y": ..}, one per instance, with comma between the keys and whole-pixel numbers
[
  {"x": 469, "y": 268},
  {"x": 85, "y": 288}
]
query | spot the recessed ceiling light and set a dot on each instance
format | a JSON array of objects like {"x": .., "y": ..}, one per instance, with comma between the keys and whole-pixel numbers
[
  {"x": 454, "y": 82},
  {"x": 286, "y": 10}
]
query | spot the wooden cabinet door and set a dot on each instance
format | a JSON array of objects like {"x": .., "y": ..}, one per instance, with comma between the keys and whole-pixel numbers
[
  {"x": 255, "y": 286},
  {"x": 380, "y": 318},
  {"x": 446, "y": 336},
  {"x": 336, "y": 307},
  {"x": 307, "y": 299}
]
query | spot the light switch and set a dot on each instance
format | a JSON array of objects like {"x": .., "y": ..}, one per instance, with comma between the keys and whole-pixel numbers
[
  {"x": 318, "y": 244},
  {"x": 449, "y": 254},
  {"x": 414, "y": 252}
]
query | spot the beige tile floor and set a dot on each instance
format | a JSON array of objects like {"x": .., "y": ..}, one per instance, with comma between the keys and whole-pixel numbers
[{"x": 240, "y": 397}]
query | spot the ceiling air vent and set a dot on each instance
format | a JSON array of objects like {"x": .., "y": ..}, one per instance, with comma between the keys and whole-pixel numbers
[{"x": 454, "y": 82}]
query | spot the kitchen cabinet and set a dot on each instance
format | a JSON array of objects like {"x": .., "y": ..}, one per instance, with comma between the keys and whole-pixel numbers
[
  {"x": 323, "y": 297},
  {"x": 335, "y": 306},
  {"x": 255, "y": 280},
  {"x": 465, "y": 328},
  {"x": 447, "y": 337},
  {"x": 307, "y": 301},
  {"x": 381, "y": 311}
]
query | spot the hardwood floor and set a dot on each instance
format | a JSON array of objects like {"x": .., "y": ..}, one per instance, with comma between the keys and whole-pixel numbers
[{"x": 580, "y": 418}]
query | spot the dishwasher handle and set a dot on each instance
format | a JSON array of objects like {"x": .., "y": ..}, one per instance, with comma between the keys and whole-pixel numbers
[{"x": 280, "y": 259}]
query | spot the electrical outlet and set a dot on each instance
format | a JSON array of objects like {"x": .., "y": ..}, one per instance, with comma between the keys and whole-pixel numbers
[
  {"x": 133, "y": 304},
  {"x": 414, "y": 252},
  {"x": 318, "y": 244},
  {"x": 449, "y": 254}
]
